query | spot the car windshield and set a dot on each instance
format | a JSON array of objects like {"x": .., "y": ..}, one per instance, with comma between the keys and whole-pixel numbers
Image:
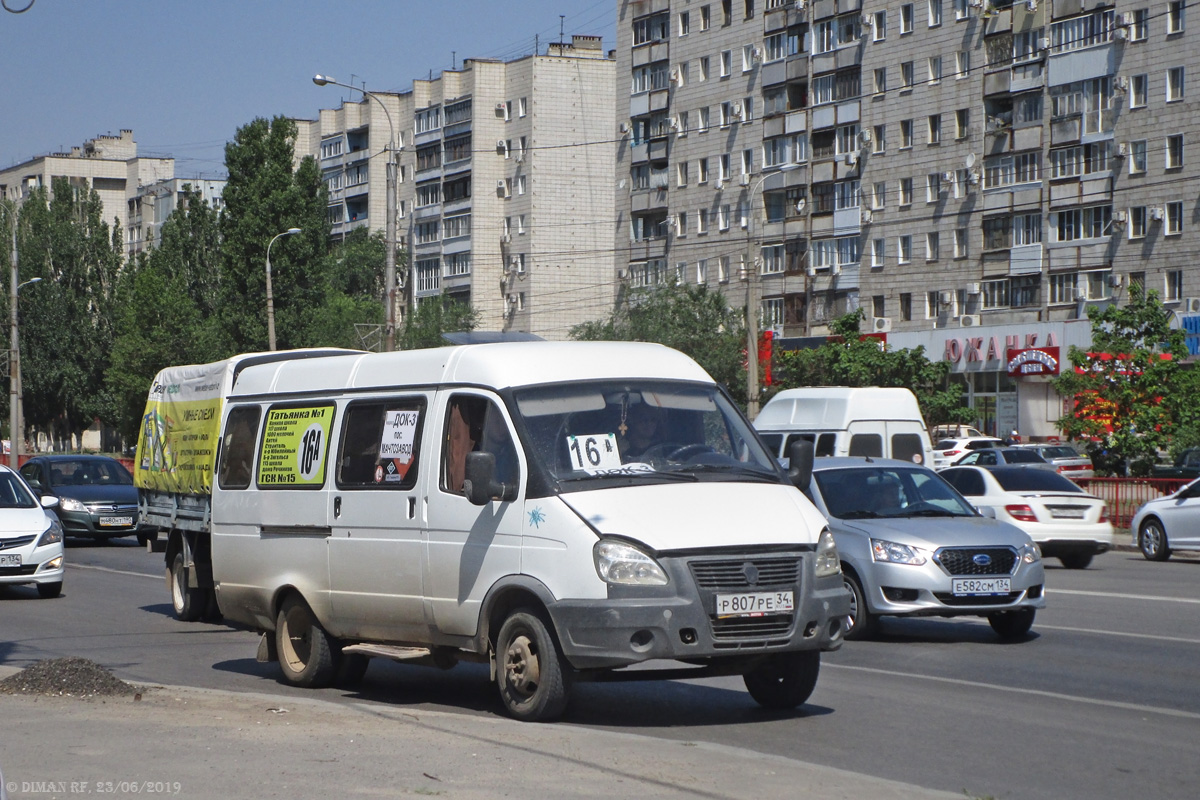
[
  {"x": 1020, "y": 479},
  {"x": 1059, "y": 452},
  {"x": 877, "y": 491},
  {"x": 14, "y": 494},
  {"x": 89, "y": 472},
  {"x": 618, "y": 432}
]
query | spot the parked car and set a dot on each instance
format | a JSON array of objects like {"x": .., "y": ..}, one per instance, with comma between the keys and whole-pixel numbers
[
  {"x": 31, "y": 537},
  {"x": 97, "y": 498},
  {"x": 947, "y": 451},
  {"x": 910, "y": 545},
  {"x": 1169, "y": 523},
  {"x": 1066, "y": 522},
  {"x": 993, "y": 456},
  {"x": 954, "y": 432},
  {"x": 1186, "y": 465},
  {"x": 1066, "y": 460}
]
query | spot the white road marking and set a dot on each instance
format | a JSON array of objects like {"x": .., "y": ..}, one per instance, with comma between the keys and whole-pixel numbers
[
  {"x": 1175, "y": 639},
  {"x": 1118, "y": 596},
  {"x": 114, "y": 571},
  {"x": 1139, "y": 708}
]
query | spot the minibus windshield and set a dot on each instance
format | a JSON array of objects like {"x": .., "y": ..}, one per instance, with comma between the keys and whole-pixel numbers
[{"x": 639, "y": 430}]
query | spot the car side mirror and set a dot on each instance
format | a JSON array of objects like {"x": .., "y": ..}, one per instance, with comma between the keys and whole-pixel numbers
[
  {"x": 480, "y": 485},
  {"x": 49, "y": 501},
  {"x": 800, "y": 463},
  {"x": 986, "y": 511}
]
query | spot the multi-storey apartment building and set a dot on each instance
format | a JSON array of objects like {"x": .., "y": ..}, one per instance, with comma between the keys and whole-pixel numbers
[
  {"x": 154, "y": 203},
  {"x": 505, "y": 183},
  {"x": 108, "y": 164},
  {"x": 972, "y": 174}
]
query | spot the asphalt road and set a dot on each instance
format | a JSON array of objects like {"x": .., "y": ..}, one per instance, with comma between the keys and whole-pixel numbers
[{"x": 1100, "y": 702}]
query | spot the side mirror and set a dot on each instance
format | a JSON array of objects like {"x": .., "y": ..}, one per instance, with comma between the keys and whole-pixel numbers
[
  {"x": 800, "y": 463},
  {"x": 49, "y": 501},
  {"x": 480, "y": 485},
  {"x": 987, "y": 511}
]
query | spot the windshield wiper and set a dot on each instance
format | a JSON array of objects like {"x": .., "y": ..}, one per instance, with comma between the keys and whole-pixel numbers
[
  {"x": 732, "y": 469},
  {"x": 933, "y": 512},
  {"x": 859, "y": 515}
]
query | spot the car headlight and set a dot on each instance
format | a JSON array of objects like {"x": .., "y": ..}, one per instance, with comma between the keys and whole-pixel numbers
[
  {"x": 894, "y": 553},
  {"x": 1031, "y": 553},
  {"x": 617, "y": 562},
  {"x": 52, "y": 535},
  {"x": 827, "y": 562},
  {"x": 71, "y": 504}
]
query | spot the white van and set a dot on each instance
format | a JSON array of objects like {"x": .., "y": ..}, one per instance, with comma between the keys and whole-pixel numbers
[
  {"x": 871, "y": 421},
  {"x": 558, "y": 510}
]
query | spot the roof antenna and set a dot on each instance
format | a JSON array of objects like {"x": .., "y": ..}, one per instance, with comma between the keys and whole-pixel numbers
[
  {"x": 453, "y": 60},
  {"x": 560, "y": 29}
]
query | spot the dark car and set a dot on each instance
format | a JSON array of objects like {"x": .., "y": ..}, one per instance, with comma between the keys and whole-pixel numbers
[
  {"x": 993, "y": 456},
  {"x": 97, "y": 498}
]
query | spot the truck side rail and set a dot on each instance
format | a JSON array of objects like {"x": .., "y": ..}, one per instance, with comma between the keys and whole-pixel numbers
[{"x": 174, "y": 511}]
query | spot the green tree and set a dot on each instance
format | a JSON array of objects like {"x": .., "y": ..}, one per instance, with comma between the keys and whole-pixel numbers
[
  {"x": 424, "y": 326},
  {"x": 353, "y": 293},
  {"x": 692, "y": 319},
  {"x": 848, "y": 358},
  {"x": 1128, "y": 397},
  {"x": 67, "y": 328},
  {"x": 264, "y": 196},
  {"x": 167, "y": 307}
]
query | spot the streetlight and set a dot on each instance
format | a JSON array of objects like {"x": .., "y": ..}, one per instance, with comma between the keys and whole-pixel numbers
[
  {"x": 752, "y": 298},
  {"x": 14, "y": 356},
  {"x": 270, "y": 297},
  {"x": 389, "y": 270}
]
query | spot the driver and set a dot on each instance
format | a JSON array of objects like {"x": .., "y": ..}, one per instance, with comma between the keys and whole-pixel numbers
[{"x": 644, "y": 422}]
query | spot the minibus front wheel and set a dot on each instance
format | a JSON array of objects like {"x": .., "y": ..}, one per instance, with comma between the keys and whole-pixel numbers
[{"x": 530, "y": 671}]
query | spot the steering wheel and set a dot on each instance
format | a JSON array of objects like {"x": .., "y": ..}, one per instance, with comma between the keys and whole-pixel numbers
[{"x": 687, "y": 451}]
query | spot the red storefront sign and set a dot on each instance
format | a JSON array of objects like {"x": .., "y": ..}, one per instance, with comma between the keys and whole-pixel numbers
[{"x": 1032, "y": 361}]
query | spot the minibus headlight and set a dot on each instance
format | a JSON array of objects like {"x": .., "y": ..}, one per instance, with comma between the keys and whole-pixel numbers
[
  {"x": 617, "y": 562},
  {"x": 827, "y": 556},
  {"x": 52, "y": 535}
]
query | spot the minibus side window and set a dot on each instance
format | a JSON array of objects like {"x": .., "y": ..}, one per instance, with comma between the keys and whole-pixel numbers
[
  {"x": 237, "y": 447},
  {"x": 475, "y": 424},
  {"x": 908, "y": 447},
  {"x": 825, "y": 444},
  {"x": 866, "y": 444},
  {"x": 381, "y": 444}
]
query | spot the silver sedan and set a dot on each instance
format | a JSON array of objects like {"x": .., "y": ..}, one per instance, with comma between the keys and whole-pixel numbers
[{"x": 1169, "y": 523}]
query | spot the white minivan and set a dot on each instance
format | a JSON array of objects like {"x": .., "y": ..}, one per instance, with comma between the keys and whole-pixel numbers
[
  {"x": 558, "y": 510},
  {"x": 874, "y": 421}
]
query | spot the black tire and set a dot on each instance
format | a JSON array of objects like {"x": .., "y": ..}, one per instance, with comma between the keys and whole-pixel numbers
[
  {"x": 861, "y": 624},
  {"x": 47, "y": 591},
  {"x": 307, "y": 654},
  {"x": 1013, "y": 624},
  {"x": 1076, "y": 560},
  {"x": 531, "y": 674},
  {"x": 189, "y": 604},
  {"x": 1152, "y": 541},
  {"x": 784, "y": 680}
]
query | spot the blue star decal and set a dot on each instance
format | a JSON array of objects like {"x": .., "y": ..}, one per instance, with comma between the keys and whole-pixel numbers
[{"x": 536, "y": 517}]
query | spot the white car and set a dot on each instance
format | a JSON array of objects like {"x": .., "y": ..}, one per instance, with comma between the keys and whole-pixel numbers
[
  {"x": 1066, "y": 522},
  {"x": 947, "y": 451},
  {"x": 1169, "y": 523},
  {"x": 31, "y": 539}
]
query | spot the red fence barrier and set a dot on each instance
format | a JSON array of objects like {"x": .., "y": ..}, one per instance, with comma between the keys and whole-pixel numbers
[{"x": 1126, "y": 495}]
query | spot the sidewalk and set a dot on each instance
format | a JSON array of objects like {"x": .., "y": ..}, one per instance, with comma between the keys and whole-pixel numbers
[{"x": 195, "y": 743}]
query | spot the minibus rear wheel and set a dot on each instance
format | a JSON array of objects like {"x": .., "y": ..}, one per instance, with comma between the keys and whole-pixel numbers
[
  {"x": 306, "y": 651},
  {"x": 530, "y": 671},
  {"x": 784, "y": 680}
]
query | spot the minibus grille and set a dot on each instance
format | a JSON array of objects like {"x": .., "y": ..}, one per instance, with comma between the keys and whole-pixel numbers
[
  {"x": 749, "y": 574},
  {"x": 746, "y": 574}
]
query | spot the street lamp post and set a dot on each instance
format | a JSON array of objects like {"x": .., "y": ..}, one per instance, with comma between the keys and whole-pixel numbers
[
  {"x": 752, "y": 297},
  {"x": 389, "y": 271},
  {"x": 270, "y": 296},
  {"x": 14, "y": 355}
]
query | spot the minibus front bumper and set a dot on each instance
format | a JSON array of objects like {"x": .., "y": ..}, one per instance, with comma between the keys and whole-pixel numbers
[{"x": 680, "y": 621}]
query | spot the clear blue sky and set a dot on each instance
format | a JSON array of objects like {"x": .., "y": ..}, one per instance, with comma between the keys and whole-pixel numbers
[{"x": 184, "y": 75}]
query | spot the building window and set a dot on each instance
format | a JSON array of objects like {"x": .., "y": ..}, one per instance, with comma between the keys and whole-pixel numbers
[
  {"x": 962, "y": 122},
  {"x": 878, "y": 139},
  {"x": 702, "y": 170},
  {"x": 705, "y": 18},
  {"x": 726, "y": 63},
  {"x": 933, "y": 187},
  {"x": 723, "y": 168},
  {"x": 995, "y": 294},
  {"x": 904, "y": 249},
  {"x": 1174, "y": 84},
  {"x": 1175, "y": 151},
  {"x": 906, "y": 75},
  {"x": 935, "y": 129},
  {"x": 702, "y": 221},
  {"x": 702, "y": 271},
  {"x": 935, "y": 69},
  {"x": 1137, "y": 157},
  {"x": 1175, "y": 16},
  {"x": 1137, "y": 31},
  {"x": 1087, "y": 30},
  {"x": 935, "y": 13},
  {"x": 773, "y": 259},
  {"x": 906, "y": 192},
  {"x": 1062, "y": 287},
  {"x": 1026, "y": 229},
  {"x": 1137, "y": 91},
  {"x": 960, "y": 10},
  {"x": 653, "y": 28},
  {"x": 723, "y": 269},
  {"x": 960, "y": 243},
  {"x": 879, "y": 26},
  {"x": 878, "y": 192},
  {"x": 723, "y": 217},
  {"x": 877, "y": 252},
  {"x": 1083, "y": 223},
  {"x": 702, "y": 119},
  {"x": 906, "y": 19},
  {"x": 1174, "y": 286},
  {"x": 685, "y": 23},
  {"x": 962, "y": 64},
  {"x": 681, "y": 224},
  {"x": 681, "y": 173},
  {"x": 932, "y": 244},
  {"x": 880, "y": 81},
  {"x": 1174, "y": 222},
  {"x": 1137, "y": 222},
  {"x": 906, "y": 133}
]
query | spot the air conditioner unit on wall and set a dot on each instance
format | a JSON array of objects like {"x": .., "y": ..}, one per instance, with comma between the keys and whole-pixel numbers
[
  {"x": 881, "y": 324},
  {"x": 970, "y": 320},
  {"x": 1191, "y": 305},
  {"x": 1116, "y": 280},
  {"x": 945, "y": 297},
  {"x": 947, "y": 177},
  {"x": 501, "y": 146},
  {"x": 1157, "y": 213},
  {"x": 865, "y": 216},
  {"x": 501, "y": 109},
  {"x": 973, "y": 288},
  {"x": 744, "y": 179}
]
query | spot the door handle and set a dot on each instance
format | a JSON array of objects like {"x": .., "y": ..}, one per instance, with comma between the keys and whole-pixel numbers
[{"x": 337, "y": 506}]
